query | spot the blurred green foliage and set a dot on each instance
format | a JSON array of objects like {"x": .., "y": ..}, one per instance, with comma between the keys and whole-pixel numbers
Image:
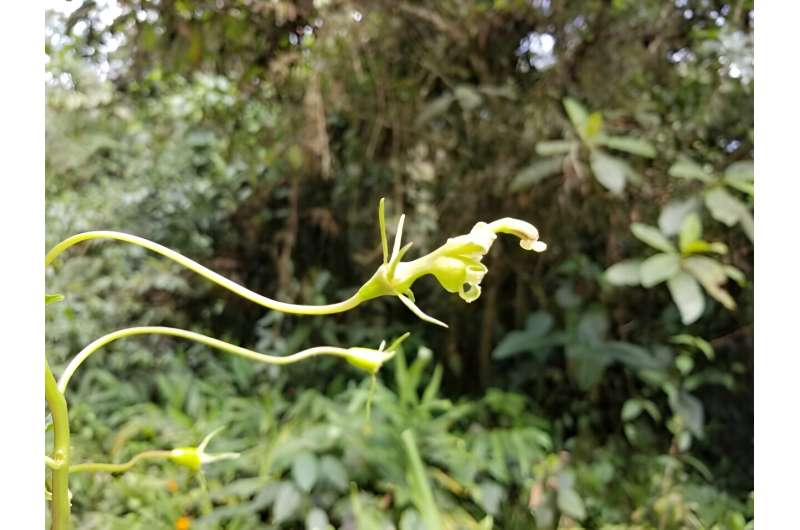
[{"x": 257, "y": 137}]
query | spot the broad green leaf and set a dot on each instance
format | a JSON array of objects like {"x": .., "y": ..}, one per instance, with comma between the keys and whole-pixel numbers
[
  {"x": 652, "y": 236},
  {"x": 632, "y": 356},
  {"x": 467, "y": 97},
  {"x": 631, "y": 409},
  {"x": 517, "y": 342},
  {"x": 687, "y": 296},
  {"x": 690, "y": 409},
  {"x": 631, "y": 432},
  {"x": 673, "y": 213},
  {"x": 304, "y": 470},
  {"x": 568, "y": 500},
  {"x": 577, "y": 112},
  {"x": 724, "y": 207},
  {"x": 435, "y": 108},
  {"x": 571, "y": 504},
  {"x": 610, "y": 171},
  {"x": 587, "y": 363},
  {"x": 690, "y": 169},
  {"x": 503, "y": 91},
  {"x": 286, "y": 504},
  {"x": 651, "y": 409},
  {"x": 411, "y": 520},
  {"x": 735, "y": 274},
  {"x": 684, "y": 363},
  {"x": 543, "y": 510},
  {"x": 624, "y": 273},
  {"x": 712, "y": 276},
  {"x": 593, "y": 126},
  {"x": 555, "y": 147},
  {"x": 691, "y": 231},
  {"x": 709, "y": 377},
  {"x": 539, "y": 323},
  {"x": 536, "y": 172},
  {"x": 684, "y": 440},
  {"x": 694, "y": 342},
  {"x": 593, "y": 325},
  {"x": 746, "y": 220},
  {"x": 630, "y": 144},
  {"x": 332, "y": 470},
  {"x": 700, "y": 246},
  {"x": 566, "y": 297},
  {"x": 739, "y": 175},
  {"x": 52, "y": 298},
  {"x": 718, "y": 248},
  {"x": 490, "y": 495},
  {"x": 659, "y": 268},
  {"x": 317, "y": 519},
  {"x": 740, "y": 171},
  {"x": 744, "y": 187}
]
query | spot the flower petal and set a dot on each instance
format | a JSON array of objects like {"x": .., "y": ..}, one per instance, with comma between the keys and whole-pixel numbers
[
  {"x": 417, "y": 311},
  {"x": 471, "y": 294},
  {"x": 526, "y": 232},
  {"x": 398, "y": 238}
]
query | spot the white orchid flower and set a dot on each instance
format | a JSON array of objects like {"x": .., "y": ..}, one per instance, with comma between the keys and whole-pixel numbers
[{"x": 457, "y": 264}]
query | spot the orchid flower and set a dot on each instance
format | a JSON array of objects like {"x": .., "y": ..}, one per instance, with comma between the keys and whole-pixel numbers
[{"x": 457, "y": 264}]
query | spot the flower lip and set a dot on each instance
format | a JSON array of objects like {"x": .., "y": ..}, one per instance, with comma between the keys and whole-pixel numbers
[
  {"x": 458, "y": 265},
  {"x": 526, "y": 232}
]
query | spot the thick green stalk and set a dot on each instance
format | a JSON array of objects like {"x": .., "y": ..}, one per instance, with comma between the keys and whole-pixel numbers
[
  {"x": 59, "y": 506},
  {"x": 205, "y": 272},
  {"x": 99, "y": 467}
]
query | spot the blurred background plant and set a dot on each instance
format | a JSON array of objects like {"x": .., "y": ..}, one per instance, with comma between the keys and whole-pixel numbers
[{"x": 257, "y": 136}]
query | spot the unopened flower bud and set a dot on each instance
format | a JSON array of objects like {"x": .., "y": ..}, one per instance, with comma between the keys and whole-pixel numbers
[
  {"x": 196, "y": 457},
  {"x": 371, "y": 360},
  {"x": 367, "y": 359},
  {"x": 186, "y": 457}
]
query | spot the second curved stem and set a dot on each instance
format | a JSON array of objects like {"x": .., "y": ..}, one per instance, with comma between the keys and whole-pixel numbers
[
  {"x": 196, "y": 337},
  {"x": 94, "y": 467}
]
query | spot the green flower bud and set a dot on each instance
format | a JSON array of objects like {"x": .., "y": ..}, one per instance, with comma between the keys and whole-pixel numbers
[
  {"x": 367, "y": 359},
  {"x": 187, "y": 457},
  {"x": 196, "y": 457},
  {"x": 371, "y": 360}
]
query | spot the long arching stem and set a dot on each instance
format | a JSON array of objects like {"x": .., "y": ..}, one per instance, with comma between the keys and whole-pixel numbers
[
  {"x": 197, "y": 337},
  {"x": 95, "y": 467},
  {"x": 59, "y": 506},
  {"x": 205, "y": 272}
]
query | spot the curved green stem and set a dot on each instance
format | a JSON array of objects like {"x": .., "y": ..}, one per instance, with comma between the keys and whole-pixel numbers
[
  {"x": 99, "y": 467},
  {"x": 59, "y": 507},
  {"x": 205, "y": 272},
  {"x": 197, "y": 337}
]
